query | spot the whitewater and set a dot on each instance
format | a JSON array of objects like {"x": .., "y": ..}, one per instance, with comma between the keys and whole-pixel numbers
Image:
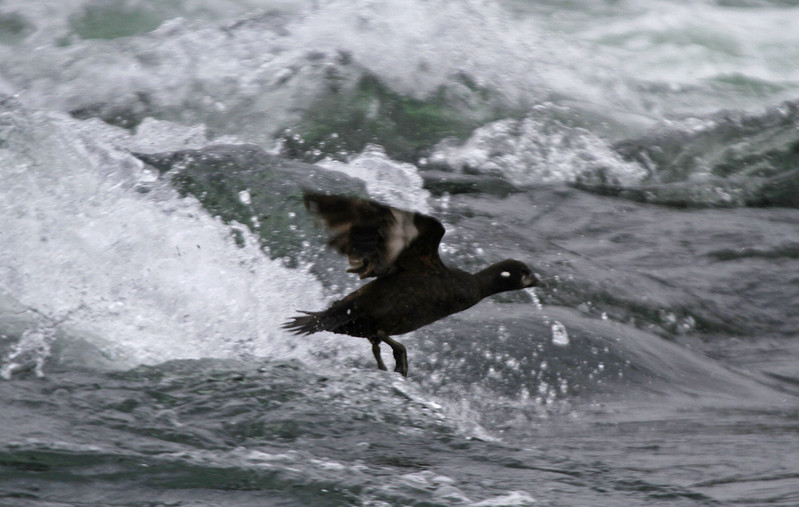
[{"x": 642, "y": 157}]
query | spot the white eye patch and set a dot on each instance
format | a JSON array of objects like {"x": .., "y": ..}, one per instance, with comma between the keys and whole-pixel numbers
[{"x": 504, "y": 274}]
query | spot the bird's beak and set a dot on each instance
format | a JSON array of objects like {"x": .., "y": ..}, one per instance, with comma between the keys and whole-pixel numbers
[{"x": 531, "y": 280}]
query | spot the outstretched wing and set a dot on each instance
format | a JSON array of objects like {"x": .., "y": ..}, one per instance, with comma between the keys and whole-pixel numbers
[{"x": 377, "y": 239}]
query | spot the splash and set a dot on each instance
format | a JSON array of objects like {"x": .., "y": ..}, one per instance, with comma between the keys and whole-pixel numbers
[
  {"x": 560, "y": 336},
  {"x": 538, "y": 149},
  {"x": 396, "y": 183},
  {"x": 147, "y": 277},
  {"x": 32, "y": 349}
]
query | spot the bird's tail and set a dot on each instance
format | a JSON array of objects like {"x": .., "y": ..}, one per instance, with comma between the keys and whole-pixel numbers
[{"x": 305, "y": 324}]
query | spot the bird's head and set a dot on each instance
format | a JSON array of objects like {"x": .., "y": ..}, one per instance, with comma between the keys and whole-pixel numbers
[{"x": 507, "y": 275}]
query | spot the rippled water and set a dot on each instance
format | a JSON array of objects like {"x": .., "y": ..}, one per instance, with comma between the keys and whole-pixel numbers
[{"x": 641, "y": 156}]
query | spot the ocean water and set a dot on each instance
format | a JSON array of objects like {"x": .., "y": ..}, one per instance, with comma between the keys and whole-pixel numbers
[{"x": 643, "y": 157}]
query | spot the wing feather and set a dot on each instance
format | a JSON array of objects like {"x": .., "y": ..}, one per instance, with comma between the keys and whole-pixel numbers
[{"x": 377, "y": 239}]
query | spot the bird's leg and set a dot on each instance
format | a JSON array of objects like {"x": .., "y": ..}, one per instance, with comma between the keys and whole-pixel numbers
[
  {"x": 400, "y": 355},
  {"x": 376, "y": 352}
]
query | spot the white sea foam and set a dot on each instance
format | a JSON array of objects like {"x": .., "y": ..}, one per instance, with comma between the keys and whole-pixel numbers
[
  {"x": 146, "y": 277},
  {"x": 396, "y": 183},
  {"x": 538, "y": 149},
  {"x": 653, "y": 41},
  {"x": 250, "y": 68},
  {"x": 256, "y": 76}
]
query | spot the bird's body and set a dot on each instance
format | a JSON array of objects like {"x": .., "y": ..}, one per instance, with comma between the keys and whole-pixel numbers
[
  {"x": 400, "y": 303},
  {"x": 412, "y": 288}
]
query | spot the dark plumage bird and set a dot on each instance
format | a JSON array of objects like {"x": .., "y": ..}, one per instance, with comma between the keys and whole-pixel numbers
[{"x": 412, "y": 287}]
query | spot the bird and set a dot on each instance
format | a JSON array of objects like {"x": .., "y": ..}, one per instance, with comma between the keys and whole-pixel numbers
[{"x": 412, "y": 287}]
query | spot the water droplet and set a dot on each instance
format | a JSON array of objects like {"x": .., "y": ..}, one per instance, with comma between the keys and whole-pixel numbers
[{"x": 559, "y": 335}]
